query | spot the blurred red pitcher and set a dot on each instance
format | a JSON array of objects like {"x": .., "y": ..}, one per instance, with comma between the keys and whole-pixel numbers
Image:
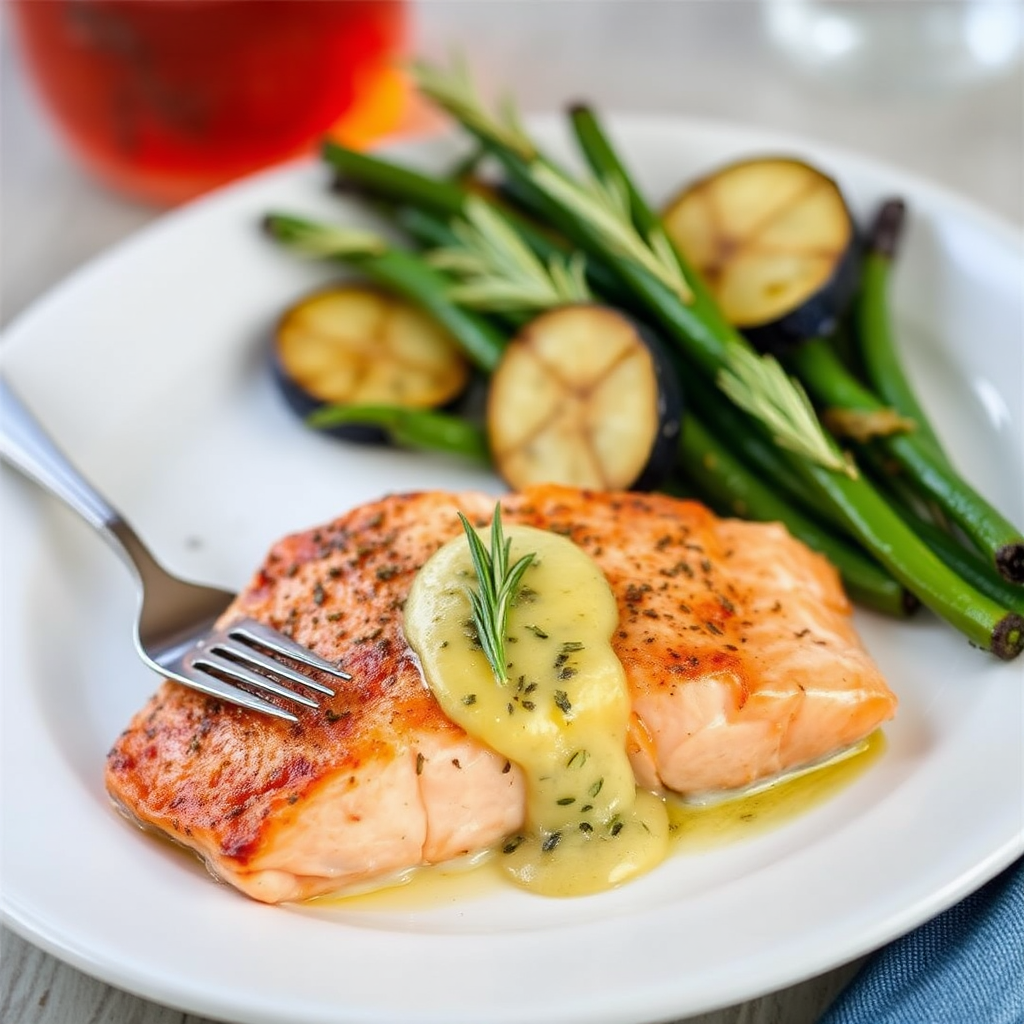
[{"x": 164, "y": 99}]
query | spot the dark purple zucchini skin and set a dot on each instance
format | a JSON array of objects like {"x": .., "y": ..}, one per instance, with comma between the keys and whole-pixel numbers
[
  {"x": 819, "y": 316},
  {"x": 467, "y": 405},
  {"x": 671, "y": 407},
  {"x": 303, "y": 403}
]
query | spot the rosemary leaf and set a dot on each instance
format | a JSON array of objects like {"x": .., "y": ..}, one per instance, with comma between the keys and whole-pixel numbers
[
  {"x": 661, "y": 247},
  {"x": 570, "y": 276},
  {"x": 454, "y": 91},
  {"x": 322, "y": 241},
  {"x": 499, "y": 272},
  {"x": 759, "y": 385},
  {"x": 458, "y": 261},
  {"x": 604, "y": 204},
  {"x": 493, "y": 294},
  {"x": 498, "y": 585}
]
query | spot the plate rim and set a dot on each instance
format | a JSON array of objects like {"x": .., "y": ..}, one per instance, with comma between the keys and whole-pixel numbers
[{"x": 19, "y": 331}]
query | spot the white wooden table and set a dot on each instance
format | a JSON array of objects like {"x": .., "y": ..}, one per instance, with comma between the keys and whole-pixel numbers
[{"x": 712, "y": 60}]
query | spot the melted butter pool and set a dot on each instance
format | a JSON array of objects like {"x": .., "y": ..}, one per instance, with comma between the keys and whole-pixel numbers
[{"x": 693, "y": 829}]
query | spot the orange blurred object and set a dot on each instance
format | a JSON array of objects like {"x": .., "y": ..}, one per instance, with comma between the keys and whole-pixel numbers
[{"x": 165, "y": 99}]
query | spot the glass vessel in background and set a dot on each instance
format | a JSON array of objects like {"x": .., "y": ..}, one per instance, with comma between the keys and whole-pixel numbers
[
  {"x": 907, "y": 45},
  {"x": 165, "y": 99}
]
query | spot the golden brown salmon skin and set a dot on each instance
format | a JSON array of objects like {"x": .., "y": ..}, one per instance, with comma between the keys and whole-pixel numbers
[{"x": 737, "y": 643}]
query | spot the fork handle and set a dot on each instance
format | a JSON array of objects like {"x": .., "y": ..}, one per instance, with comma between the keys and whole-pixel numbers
[{"x": 26, "y": 446}]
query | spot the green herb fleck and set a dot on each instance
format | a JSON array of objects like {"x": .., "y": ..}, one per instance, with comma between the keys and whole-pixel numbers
[
  {"x": 551, "y": 841},
  {"x": 578, "y": 759},
  {"x": 497, "y": 271},
  {"x": 513, "y": 844}
]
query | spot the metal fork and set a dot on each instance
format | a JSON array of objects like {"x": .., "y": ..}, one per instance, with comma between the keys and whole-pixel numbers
[{"x": 175, "y": 632}]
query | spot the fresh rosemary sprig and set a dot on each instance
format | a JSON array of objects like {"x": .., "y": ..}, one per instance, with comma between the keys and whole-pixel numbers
[
  {"x": 759, "y": 385},
  {"x": 455, "y": 91},
  {"x": 498, "y": 586},
  {"x": 499, "y": 272},
  {"x": 321, "y": 241},
  {"x": 604, "y": 205}
]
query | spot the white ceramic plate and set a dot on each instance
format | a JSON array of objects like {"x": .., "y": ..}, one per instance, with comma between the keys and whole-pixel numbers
[{"x": 149, "y": 367}]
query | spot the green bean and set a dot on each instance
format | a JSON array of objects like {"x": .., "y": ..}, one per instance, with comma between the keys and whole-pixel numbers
[
  {"x": 382, "y": 179},
  {"x": 966, "y": 563},
  {"x": 827, "y": 380},
  {"x": 444, "y": 199},
  {"x": 743, "y": 436},
  {"x": 877, "y": 349},
  {"x": 423, "y": 429},
  {"x": 426, "y": 229}
]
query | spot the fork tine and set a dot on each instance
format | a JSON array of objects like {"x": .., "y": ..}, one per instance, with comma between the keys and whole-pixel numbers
[
  {"x": 253, "y": 632},
  {"x": 252, "y": 658},
  {"x": 205, "y": 683},
  {"x": 218, "y": 665}
]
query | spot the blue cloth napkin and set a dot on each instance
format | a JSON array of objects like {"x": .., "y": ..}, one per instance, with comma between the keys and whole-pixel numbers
[{"x": 965, "y": 966}]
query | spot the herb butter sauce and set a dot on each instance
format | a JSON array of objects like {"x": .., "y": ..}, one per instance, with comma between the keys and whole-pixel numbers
[
  {"x": 561, "y": 715},
  {"x": 695, "y": 829}
]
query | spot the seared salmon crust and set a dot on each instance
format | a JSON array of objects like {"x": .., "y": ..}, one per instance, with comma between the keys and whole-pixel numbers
[{"x": 737, "y": 642}]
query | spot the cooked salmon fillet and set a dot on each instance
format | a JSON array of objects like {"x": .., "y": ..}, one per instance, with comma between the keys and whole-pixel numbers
[{"x": 737, "y": 643}]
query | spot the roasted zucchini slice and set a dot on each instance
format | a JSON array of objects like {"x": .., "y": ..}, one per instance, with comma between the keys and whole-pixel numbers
[
  {"x": 776, "y": 245},
  {"x": 358, "y": 345},
  {"x": 587, "y": 397}
]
